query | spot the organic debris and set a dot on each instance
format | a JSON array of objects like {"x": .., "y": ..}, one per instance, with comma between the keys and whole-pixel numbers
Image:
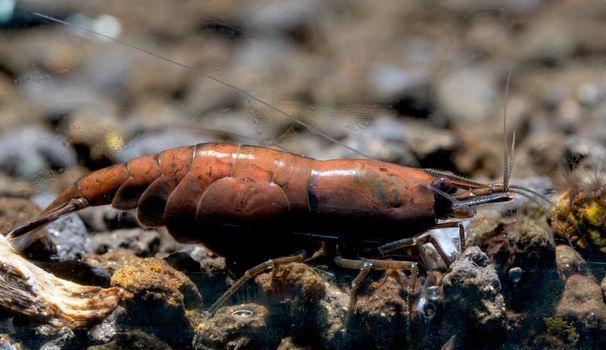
[{"x": 28, "y": 291}]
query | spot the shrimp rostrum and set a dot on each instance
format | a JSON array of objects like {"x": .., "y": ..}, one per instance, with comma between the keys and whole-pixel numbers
[{"x": 249, "y": 203}]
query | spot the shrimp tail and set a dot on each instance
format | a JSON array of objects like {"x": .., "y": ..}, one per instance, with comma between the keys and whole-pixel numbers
[{"x": 67, "y": 202}]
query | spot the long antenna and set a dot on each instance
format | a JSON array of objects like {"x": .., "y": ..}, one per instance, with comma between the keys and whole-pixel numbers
[
  {"x": 508, "y": 157},
  {"x": 239, "y": 90},
  {"x": 507, "y": 151}
]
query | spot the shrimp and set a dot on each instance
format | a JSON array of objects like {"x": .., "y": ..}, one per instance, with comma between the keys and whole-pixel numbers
[{"x": 236, "y": 188}]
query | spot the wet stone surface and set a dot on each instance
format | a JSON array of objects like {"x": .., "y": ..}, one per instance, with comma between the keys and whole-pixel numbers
[
  {"x": 112, "y": 261},
  {"x": 289, "y": 344},
  {"x": 69, "y": 237},
  {"x": 111, "y": 326},
  {"x": 242, "y": 326},
  {"x": 207, "y": 271},
  {"x": 387, "y": 312},
  {"x": 164, "y": 299},
  {"x": 472, "y": 296},
  {"x": 569, "y": 262},
  {"x": 304, "y": 303},
  {"x": 65, "y": 338},
  {"x": 135, "y": 340},
  {"x": 582, "y": 301},
  {"x": 143, "y": 243}
]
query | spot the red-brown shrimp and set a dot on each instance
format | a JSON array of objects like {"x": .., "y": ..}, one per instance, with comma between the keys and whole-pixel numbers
[{"x": 246, "y": 200}]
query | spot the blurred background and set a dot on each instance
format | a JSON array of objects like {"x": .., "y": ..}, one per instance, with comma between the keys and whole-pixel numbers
[{"x": 420, "y": 83}]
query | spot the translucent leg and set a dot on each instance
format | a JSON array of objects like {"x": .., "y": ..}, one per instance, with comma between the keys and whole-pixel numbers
[
  {"x": 418, "y": 243},
  {"x": 365, "y": 265},
  {"x": 461, "y": 237},
  {"x": 248, "y": 275}
]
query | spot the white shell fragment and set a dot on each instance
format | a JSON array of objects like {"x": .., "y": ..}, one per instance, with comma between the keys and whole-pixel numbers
[{"x": 27, "y": 290}]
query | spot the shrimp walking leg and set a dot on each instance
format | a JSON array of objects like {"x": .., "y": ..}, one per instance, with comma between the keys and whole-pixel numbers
[
  {"x": 418, "y": 243},
  {"x": 364, "y": 266},
  {"x": 250, "y": 274},
  {"x": 461, "y": 237},
  {"x": 355, "y": 286},
  {"x": 415, "y": 241}
]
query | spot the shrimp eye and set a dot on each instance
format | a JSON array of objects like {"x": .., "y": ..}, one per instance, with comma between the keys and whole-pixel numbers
[{"x": 442, "y": 183}]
